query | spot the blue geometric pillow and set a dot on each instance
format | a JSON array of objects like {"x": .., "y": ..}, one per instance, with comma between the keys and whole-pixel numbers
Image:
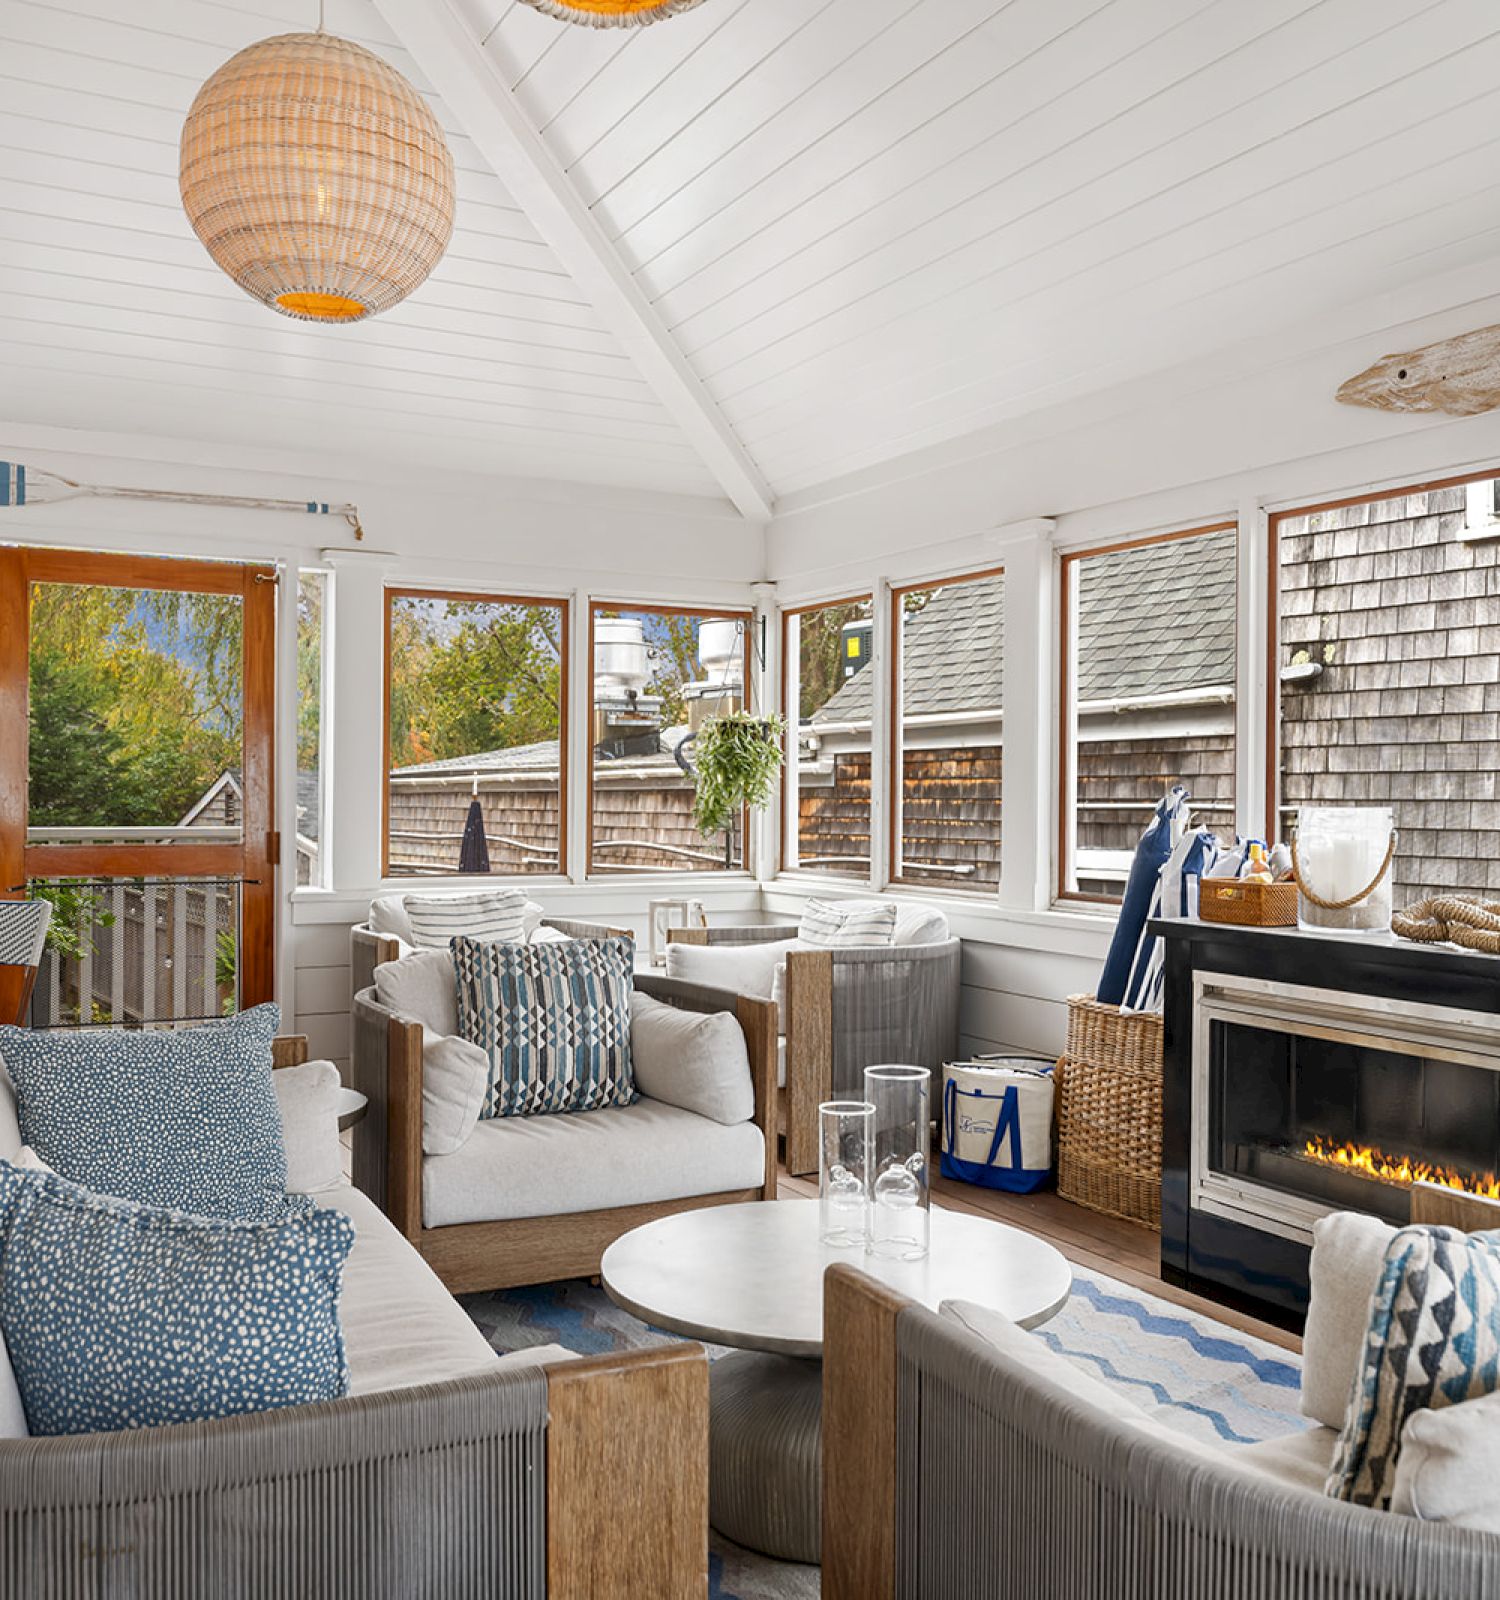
[
  {"x": 1433, "y": 1341},
  {"x": 554, "y": 1019},
  {"x": 124, "y": 1316},
  {"x": 184, "y": 1119}
]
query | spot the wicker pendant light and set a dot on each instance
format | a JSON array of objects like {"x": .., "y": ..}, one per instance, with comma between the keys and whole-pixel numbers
[
  {"x": 612, "y": 13},
  {"x": 317, "y": 177}
]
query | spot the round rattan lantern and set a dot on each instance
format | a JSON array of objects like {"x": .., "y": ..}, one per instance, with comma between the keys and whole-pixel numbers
[
  {"x": 317, "y": 177},
  {"x": 612, "y": 13}
]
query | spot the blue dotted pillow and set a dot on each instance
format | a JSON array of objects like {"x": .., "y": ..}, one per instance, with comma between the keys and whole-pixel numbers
[
  {"x": 184, "y": 1119},
  {"x": 124, "y": 1316}
]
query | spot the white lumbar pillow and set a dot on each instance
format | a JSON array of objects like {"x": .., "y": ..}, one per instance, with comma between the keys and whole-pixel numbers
[
  {"x": 848, "y": 924},
  {"x": 692, "y": 1059},
  {"x": 493, "y": 914},
  {"x": 455, "y": 1075},
  {"x": 422, "y": 987},
  {"x": 1347, "y": 1255},
  {"x": 308, "y": 1098},
  {"x": 919, "y": 925},
  {"x": 1449, "y": 1466},
  {"x": 743, "y": 968}
]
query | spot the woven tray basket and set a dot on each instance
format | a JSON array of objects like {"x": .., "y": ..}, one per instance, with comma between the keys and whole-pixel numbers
[
  {"x": 1247, "y": 905},
  {"x": 1109, "y": 1112}
]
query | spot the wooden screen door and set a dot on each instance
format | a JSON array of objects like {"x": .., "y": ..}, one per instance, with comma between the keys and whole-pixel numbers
[{"x": 137, "y": 704}]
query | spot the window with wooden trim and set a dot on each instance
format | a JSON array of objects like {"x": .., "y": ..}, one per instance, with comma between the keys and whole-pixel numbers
[
  {"x": 947, "y": 654},
  {"x": 1385, "y": 688},
  {"x": 476, "y": 734},
  {"x": 828, "y": 705},
  {"x": 659, "y": 673},
  {"x": 1148, "y": 696}
]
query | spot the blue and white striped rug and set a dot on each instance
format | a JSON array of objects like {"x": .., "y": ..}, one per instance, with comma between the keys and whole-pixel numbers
[{"x": 1193, "y": 1373}]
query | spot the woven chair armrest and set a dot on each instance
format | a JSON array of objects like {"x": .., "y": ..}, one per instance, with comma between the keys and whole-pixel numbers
[{"x": 765, "y": 933}]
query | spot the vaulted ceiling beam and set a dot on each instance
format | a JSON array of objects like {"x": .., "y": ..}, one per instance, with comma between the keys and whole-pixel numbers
[{"x": 467, "y": 78}]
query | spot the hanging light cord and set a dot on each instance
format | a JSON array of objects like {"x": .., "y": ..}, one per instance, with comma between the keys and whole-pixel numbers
[{"x": 320, "y": 15}]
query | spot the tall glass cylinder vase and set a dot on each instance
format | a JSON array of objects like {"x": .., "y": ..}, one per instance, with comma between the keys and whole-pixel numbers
[
  {"x": 900, "y": 1188},
  {"x": 844, "y": 1172}
]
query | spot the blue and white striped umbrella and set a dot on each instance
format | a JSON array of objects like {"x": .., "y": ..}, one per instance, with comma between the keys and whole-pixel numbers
[
  {"x": 1166, "y": 827},
  {"x": 1176, "y": 896}
]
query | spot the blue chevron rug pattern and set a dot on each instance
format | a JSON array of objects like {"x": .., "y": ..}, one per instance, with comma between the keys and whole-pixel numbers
[{"x": 1193, "y": 1373}]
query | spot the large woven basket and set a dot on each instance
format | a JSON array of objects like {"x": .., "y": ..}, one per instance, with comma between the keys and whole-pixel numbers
[{"x": 1109, "y": 1112}]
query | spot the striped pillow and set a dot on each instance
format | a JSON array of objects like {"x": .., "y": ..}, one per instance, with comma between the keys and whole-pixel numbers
[
  {"x": 848, "y": 924},
  {"x": 554, "y": 1020},
  {"x": 436, "y": 919}
]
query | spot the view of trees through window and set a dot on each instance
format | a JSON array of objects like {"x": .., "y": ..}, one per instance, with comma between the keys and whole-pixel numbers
[
  {"x": 475, "y": 719},
  {"x": 1148, "y": 695},
  {"x": 312, "y": 597},
  {"x": 658, "y": 675},
  {"x": 1388, "y": 669},
  {"x": 950, "y": 653},
  {"x": 828, "y": 692}
]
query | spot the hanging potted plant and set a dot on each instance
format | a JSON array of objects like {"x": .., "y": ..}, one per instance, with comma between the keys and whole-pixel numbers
[{"x": 736, "y": 760}]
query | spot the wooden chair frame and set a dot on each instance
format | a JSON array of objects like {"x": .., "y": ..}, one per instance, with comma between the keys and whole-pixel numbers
[{"x": 474, "y": 1256}]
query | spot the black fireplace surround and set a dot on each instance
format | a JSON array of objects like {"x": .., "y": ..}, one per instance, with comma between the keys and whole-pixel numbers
[{"x": 1280, "y": 1074}]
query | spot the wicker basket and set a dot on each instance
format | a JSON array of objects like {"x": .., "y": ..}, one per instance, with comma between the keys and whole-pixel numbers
[
  {"x": 1105, "y": 1036},
  {"x": 1247, "y": 905},
  {"x": 1109, "y": 1111}
]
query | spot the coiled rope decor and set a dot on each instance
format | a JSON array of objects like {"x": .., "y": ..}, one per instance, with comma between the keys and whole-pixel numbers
[
  {"x": 612, "y": 13},
  {"x": 1452, "y": 919},
  {"x": 317, "y": 177}
]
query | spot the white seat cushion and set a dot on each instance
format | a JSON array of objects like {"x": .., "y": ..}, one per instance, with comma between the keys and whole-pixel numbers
[
  {"x": 1297, "y": 1460},
  {"x": 401, "y": 1326},
  {"x": 588, "y": 1161}
]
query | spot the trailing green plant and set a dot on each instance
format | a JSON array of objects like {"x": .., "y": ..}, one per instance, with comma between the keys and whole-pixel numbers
[{"x": 736, "y": 759}]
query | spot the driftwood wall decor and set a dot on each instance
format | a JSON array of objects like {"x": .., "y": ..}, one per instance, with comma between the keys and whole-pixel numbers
[{"x": 1459, "y": 376}]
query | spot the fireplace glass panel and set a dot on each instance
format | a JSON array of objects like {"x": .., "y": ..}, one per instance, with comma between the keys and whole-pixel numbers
[{"x": 1333, "y": 1122}]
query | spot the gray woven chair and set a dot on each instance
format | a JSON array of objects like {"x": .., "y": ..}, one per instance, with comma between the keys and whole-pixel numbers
[
  {"x": 952, "y": 1471},
  {"x": 847, "y": 1010},
  {"x": 23, "y": 937}
]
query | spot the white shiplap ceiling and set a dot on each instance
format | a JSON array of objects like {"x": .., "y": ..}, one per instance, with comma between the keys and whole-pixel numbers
[{"x": 858, "y": 227}]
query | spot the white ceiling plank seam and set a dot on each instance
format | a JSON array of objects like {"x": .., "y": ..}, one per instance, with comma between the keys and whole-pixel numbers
[{"x": 451, "y": 58}]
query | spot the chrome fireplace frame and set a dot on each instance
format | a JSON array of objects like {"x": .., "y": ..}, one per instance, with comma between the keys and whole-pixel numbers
[{"x": 1443, "y": 1033}]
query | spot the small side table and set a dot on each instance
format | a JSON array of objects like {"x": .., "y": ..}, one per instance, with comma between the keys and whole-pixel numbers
[{"x": 352, "y": 1107}]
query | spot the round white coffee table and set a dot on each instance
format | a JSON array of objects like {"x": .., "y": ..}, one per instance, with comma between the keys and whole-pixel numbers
[{"x": 752, "y": 1276}]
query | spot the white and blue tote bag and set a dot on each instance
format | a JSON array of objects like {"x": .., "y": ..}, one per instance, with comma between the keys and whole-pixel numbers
[{"x": 997, "y": 1123}]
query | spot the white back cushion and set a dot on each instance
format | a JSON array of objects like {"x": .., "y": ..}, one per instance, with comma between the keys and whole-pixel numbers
[
  {"x": 848, "y": 924},
  {"x": 494, "y": 914},
  {"x": 455, "y": 1075},
  {"x": 307, "y": 1097},
  {"x": 742, "y": 968},
  {"x": 421, "y": 986},
  {"x": 920, "y": 925},
  {"x": 388, "y": 916},
  {"x": 696, "y": 1060},
  {"x": 10, "y": 1125},
  {"x": 1449, "y": 1466},
  {"x": 1347, "y": 1254}
]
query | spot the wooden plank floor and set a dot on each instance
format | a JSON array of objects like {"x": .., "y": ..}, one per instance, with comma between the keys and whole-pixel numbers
[{"x": 1124, "y": 1250}]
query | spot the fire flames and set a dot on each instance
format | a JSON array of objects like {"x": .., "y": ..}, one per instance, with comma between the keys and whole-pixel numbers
[{"x": 1371, "y": 1162}]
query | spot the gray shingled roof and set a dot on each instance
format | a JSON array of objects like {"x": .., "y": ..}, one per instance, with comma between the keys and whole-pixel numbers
[{"x": 1155, "y": 620}]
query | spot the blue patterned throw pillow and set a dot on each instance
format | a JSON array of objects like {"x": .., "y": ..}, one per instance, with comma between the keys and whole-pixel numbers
[
  {"x": 554, "y": 1020},
  {"x": 184, "y": 1119},
  {"x": 1433, "y": 1341},
  {"x": 125, "y": 1316}
]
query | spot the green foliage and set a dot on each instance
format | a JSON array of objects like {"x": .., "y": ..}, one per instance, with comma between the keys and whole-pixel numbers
[
  {"x": 77, "y": 909},
  {"x": 309, "y": 669},
  {"x": 737, "y": 758},
  {"x": 226, "y": 967},
  {"x": 470, "y": 676},
  {"x": 136, "y": 703}
]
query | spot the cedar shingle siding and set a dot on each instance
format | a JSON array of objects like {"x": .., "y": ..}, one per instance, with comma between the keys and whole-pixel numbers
[{"x": 1405, "y": 618}]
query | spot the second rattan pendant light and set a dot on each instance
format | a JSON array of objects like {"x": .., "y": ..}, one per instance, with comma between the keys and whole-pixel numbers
[{"x": 317, "y": 177}]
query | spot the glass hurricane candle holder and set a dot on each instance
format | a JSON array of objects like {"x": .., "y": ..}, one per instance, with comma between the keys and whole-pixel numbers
[
  {"x": 900, "y": 1185},
  {"x": 844, "y": 1172}
]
